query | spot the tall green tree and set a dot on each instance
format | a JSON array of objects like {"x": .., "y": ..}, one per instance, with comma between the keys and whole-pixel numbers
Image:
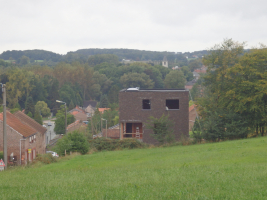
[
  {"x": 41, "y": 106},
  {"x": 29, "y": 106},
  {"x": 113, "y": 94},
  {"x": 162, "y": 128},
  {"x": 134, "y": 79},
  {"x": 38, "y": 117},
  {"x": 60, "y": 120},
  {"x": 175, "y": 80}
]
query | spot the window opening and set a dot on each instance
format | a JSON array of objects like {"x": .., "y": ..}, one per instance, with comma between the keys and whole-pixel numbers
[
  {"x": 172, "y": 104},
  {"x": 128, "y": 127},
  {"x": 146, "y": 104}
]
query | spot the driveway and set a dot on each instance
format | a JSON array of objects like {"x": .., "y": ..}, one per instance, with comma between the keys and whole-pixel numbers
[{"x": 50, "y": 133}]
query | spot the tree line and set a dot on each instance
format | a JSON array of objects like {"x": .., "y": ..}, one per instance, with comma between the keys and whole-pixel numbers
[
  {"x": 99, "y": 79},
  {"x": 232, "y": 101}
]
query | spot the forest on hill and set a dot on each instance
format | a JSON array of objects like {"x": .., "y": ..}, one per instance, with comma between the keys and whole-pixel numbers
[
  {"x": 49, "y": 58},
  {"x": 98, "y": 78}
]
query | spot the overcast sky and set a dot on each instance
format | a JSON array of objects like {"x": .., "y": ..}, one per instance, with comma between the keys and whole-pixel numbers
[{"x": 158, "y": 25}]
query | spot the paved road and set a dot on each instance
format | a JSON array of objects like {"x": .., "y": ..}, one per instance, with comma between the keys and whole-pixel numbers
[{"x": 50, "y": 133}]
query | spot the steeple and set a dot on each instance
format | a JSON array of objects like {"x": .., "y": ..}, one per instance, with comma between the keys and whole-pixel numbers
[{"x": 165, "y": 62}]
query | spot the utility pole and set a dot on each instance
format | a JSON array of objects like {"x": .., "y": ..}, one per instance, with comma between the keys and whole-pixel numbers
[
  {"x": 65, "y": 119},
  {"x": 101, "y": 126},
  {"x": 4, "y": 124}
]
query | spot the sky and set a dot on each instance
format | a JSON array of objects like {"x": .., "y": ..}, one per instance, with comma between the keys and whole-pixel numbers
[{"x": 61, "y": 26}]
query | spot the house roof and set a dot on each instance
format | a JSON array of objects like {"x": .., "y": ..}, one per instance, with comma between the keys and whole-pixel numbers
[
  {"x": 87, "y": 103},
  {"x": 18, "y": 125},
  {"x": 151, "y": 90},
  {"x": 30, "y": 122},
  {"x": 76, "y": 110},
  {"x": 191, "y": 107},
  {"x": 73, "y": 124},
  {"x": 103, "y": 109}
]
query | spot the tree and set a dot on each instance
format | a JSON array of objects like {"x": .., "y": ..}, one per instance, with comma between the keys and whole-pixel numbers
[
  {"x": 175, "y": 80},
  {"x": 195, "y": 64},
  {"x": 41, "y": 106},
  {"x": 60, "y": 121},
  {"x": 104, "y": 101},
  {"x": 187, "y": 73},
  {"x": 162, "y": 128},
  {"x": 38, "y": 117},
  {"x": 235, "y": 90},
  {"x": 30, "y": 114},
  {"x": 24, "y": 60},
  {"x": 71, "y": 106},
  {"x": 134, "y": 79},
  {"x": 72, "y": 142},
  {"x": 17, "y": 86},
  {"x": 113, "y": 94},
  {"x": 29, "y": 106}
]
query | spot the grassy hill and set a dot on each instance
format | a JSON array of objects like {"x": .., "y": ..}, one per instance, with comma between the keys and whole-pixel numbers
[{"x": 226, "y": 170}]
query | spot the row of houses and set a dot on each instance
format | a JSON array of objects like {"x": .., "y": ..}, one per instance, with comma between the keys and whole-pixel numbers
[{"x": 25, "y": 137}]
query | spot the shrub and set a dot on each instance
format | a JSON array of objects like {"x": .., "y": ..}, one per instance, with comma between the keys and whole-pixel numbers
[
  {"x": 72, "y": 142},
  {"x": 162, "y": 128},
  {"x": 106, "y": 144},
  {"x": 1, "y": 155},
  {"x": 46, "y": 158}
]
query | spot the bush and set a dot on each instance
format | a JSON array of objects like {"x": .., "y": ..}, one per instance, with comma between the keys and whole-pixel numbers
[
  {"x": 72, "y": 142},
  {"x": 1, "y": 155},
  {"x": 106, "y": 144},
  {"x": 46, "y": 158},
  {"x": 162, "y": 128}
]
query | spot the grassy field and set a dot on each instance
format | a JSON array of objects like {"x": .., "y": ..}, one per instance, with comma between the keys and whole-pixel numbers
[{"x": 226, "y": 170}]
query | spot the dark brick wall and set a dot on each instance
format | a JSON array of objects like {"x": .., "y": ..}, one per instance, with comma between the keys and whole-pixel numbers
[{"x": 131, "y": 111}]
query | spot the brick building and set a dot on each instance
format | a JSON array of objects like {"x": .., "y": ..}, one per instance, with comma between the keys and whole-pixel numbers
[
  {"x": 136, "y": 106},
  {"x": 24, "y": 142}
]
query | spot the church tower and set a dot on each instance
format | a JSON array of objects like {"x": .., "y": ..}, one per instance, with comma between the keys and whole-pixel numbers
[{"x": 165, "y": 62}]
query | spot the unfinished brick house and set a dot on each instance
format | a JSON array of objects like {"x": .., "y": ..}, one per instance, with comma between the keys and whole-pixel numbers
[
  {"x": 23, "y": 141},
  {"x": 137, "y": 105}
]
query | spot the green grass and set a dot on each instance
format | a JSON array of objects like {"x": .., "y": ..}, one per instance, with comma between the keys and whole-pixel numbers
[{"x": 226, "y": 170}]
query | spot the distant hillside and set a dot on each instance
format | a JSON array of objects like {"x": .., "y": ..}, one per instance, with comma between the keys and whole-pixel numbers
[
  {"x": 132, "y": 54},
  {"x": 51, "y": 58},
  {"x": 32, "y": 54}
]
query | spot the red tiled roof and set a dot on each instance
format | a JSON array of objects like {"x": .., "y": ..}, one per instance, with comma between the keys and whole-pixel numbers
[
  {"x": 75, "y": 112},
  {"x": 30, "y": 122},
  {"x": 103, "y": 109},
  {"x": 73, "y": 124},
  {"x": 191, "y": 107},
  {"x": 78, "y": 108},
  {"x": 16, "y": 124}
]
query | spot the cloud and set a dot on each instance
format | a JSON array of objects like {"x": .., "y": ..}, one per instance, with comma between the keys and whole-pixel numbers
[{"x": 169, "y": 25}]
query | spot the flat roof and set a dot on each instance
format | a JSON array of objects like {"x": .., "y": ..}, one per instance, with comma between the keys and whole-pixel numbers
[{"x": 151, "y": 90}]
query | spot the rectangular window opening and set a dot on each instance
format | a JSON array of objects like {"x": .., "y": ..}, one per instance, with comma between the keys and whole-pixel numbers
[
  {"x": 172, "y": 104},
  {"x": 146, "y": 104},
  {"x": 129, "y": 128}
]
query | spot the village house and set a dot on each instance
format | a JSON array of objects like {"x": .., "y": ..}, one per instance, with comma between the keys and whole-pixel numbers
[
  {"x": 137, "y": 105},
  {"x": 25, "y": 138},
  {"x": 89, "y": 107},
  {"x": 78, "y": 113}
]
